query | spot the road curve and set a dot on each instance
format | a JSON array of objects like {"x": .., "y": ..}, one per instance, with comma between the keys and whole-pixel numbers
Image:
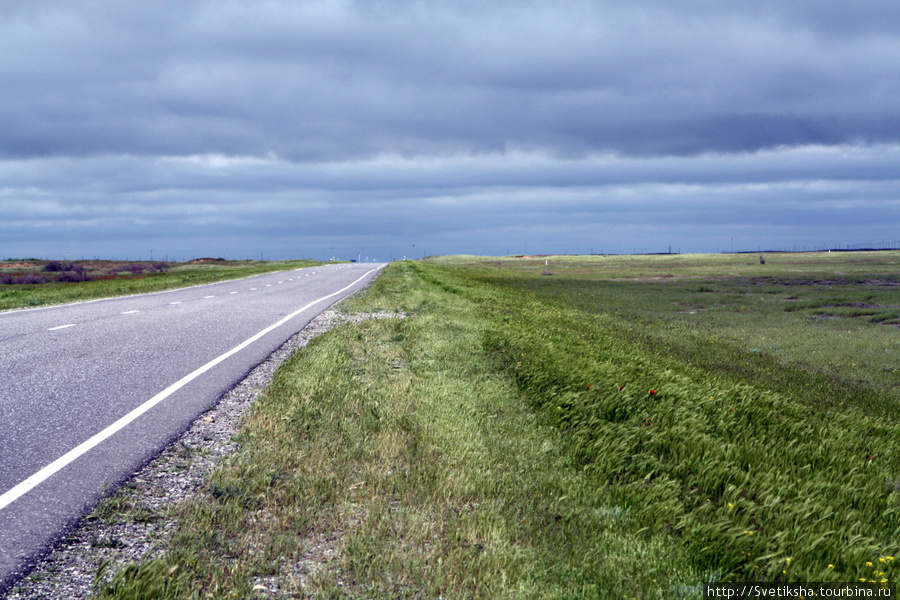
[{"x": 90, "y": 392}]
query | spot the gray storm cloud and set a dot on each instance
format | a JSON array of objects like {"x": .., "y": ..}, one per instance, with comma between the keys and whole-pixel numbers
[
  {"x": 379, "y": 122},
  {"x": 324, "y": 80}
]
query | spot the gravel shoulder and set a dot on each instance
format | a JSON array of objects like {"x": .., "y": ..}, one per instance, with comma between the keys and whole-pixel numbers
[{"x": 135, "y": 522}]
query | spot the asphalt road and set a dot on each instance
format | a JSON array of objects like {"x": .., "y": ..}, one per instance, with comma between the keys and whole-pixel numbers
[{"x": 90, "y": 392}]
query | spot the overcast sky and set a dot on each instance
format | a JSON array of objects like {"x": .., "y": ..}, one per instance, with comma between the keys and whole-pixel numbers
[{"x": 392, "y": 128}]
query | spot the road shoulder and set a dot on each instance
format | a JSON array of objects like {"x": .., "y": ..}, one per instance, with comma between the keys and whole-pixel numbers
[{"x": 135, "y": 522}]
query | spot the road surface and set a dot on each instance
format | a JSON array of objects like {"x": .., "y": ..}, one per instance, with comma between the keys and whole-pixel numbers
[{"x": 90, "y": 392}]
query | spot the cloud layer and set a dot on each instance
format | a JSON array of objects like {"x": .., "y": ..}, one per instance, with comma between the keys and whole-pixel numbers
[{"x": 288, "y": 128}]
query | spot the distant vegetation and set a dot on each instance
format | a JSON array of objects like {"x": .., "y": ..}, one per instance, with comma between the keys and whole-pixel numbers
[
  {"x": 29, "y": 282},
  {"x": 37, "y": 272}
]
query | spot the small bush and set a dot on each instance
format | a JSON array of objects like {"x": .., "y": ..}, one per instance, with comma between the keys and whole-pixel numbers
[
  {"x": 31, "y": 278},
  {"x": 54, "y": 267},
  {"x": 73, "y": 276}
]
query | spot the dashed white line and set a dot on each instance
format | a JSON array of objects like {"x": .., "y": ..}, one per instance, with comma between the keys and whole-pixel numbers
[
  {"x": 208, "y": 297},
  {"x": 232, "y": 293},
  {"x": 171, "y": 303},
  {"x": 61, "y": 327},
  {"x": 29, "y": 483},
  {"x": 130, "y": 312},
  {"x": 253, "y": 289}
]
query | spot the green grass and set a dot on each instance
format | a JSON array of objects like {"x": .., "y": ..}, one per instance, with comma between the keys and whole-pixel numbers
[
  {"x": 502, "y": 441},
  {"x": 791, "y": 321},
  {"x": 178, "y": 276}
]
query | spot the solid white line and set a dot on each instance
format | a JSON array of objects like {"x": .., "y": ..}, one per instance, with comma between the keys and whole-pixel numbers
[
  {"x": 61, "y": 327},
  {"x": 66, "y": 459}
]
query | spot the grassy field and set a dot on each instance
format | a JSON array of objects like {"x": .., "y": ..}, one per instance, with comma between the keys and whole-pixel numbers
[
  {"x": 30, "y": 283},
  {"x": 567, "y": 427}
]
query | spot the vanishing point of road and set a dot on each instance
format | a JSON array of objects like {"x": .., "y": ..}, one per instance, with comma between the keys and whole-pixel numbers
[{"x": 90, "y": 392}]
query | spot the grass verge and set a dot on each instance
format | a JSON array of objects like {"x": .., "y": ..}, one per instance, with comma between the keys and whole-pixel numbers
[
  {"x": 179, "y": 276},
  {"x": 497, "y": 443},
  {"x": 392, "y": 459}
]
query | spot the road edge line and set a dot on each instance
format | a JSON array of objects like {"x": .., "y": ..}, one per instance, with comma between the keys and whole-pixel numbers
[{"x": 35, "y": 479}]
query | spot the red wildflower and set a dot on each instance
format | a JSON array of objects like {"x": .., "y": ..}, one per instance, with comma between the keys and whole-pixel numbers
[
  {"x": 868, "y": 457},
  {"x": 652, "y": 392}
]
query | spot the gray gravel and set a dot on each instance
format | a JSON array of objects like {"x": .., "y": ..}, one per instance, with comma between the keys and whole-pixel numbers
[{"x": 133, "y": 524}]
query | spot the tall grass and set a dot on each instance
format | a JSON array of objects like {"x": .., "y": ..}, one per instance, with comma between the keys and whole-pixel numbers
[
  {"x": 502, "y": 443},
  {"x": 750, "y": 481},
  {"x": 391, "y": 459}
]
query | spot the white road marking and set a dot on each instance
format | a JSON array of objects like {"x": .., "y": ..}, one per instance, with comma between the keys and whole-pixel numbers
[
  {"x": 268, "y": 285},
  {"x": 208, "y": 297},
  {"x": 130, "y": 312},
  {"x": 172, "y": 303},
  {"x": 61, "y": 327},
  {"x": 253, "y": 289},
  {"x": 69, "y": 457},
  {"x": 14, "y": 311},
  {"x": 232, "y": 293}
]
